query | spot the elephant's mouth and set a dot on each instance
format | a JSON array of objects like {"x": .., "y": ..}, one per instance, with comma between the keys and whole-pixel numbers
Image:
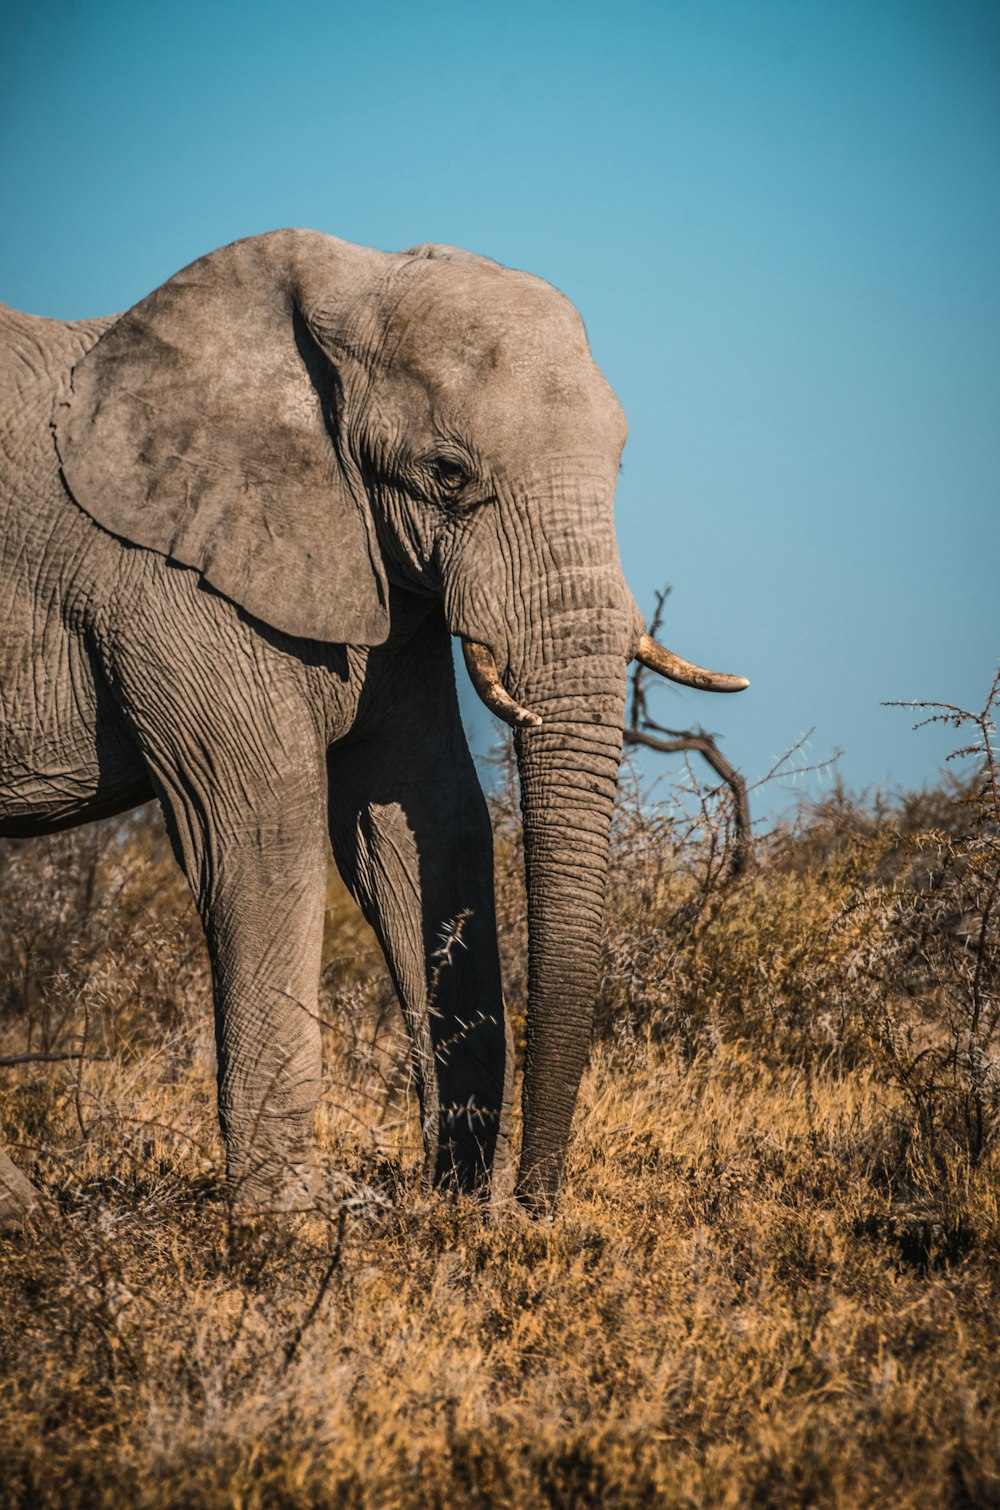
[{"x": 485, "y": 677}]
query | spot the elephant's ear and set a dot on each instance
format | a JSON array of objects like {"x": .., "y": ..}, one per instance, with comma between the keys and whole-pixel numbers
[{"x": 201, "y": 425}]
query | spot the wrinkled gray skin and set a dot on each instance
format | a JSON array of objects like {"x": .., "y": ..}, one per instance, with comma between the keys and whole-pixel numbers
[{"x": 239, "y": 525}]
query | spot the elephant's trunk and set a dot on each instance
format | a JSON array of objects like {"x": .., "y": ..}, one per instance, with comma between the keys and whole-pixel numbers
[
  {"x": 568, "y": 769},
  {"x": 556, "y": 671}
]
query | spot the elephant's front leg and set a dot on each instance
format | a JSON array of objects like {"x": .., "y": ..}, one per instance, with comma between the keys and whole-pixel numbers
[
  {"x": 260, "y": 888},
  {"x": 245, "y": 800},
  {"x": 412, "y": 839}
]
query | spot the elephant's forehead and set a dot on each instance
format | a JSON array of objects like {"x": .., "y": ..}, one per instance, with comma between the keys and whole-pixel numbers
[
  {"x": 486, "y": 347},
  {"x": 460, "y": 319}
]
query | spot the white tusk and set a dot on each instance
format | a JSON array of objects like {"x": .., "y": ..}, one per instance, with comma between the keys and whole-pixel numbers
[
  {"x": 667, "y": 664},
  {"x": 486, "y": 680}
]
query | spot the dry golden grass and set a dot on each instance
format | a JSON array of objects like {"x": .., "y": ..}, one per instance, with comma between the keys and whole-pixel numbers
[{"x": 774, "y": 1278}]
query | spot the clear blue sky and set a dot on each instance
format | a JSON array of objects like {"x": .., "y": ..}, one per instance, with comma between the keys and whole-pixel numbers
[{"x": 780, "y": 220}]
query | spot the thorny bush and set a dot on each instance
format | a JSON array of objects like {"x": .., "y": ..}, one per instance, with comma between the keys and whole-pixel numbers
[{"x": 869, "y": 929}]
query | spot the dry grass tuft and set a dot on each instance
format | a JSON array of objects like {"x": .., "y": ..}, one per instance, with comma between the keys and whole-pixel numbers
[{"x": 774, "y": 1278}]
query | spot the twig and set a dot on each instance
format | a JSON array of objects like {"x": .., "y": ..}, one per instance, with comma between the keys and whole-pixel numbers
[
  {"x": 81, "y": 1057},
  {"x": 9, "y": 1059},
  {"x": 292, "y": 1346}
]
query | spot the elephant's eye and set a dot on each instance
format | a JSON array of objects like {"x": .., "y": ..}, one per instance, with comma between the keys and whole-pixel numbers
[{"x": 449, "y": 474}]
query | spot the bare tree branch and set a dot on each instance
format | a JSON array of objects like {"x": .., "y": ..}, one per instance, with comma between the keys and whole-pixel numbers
[{"x": 642, "y": 730}]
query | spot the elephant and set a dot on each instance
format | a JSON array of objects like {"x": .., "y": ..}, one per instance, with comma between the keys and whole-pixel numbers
[{"x": 242, "y": 522}]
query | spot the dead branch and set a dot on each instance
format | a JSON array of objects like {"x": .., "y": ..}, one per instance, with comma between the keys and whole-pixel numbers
[{"x": 643, "y": 730}]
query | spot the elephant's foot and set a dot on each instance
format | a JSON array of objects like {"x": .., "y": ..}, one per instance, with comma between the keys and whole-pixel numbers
[
  {"x": 502, "y": 1177},
  {"x": 268, "y": 1183},
  {"x": 466, "y": 1154},
  {"x": 18, "y": 1197}
]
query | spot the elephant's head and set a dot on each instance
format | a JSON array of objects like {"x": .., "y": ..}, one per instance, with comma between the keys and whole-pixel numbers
[{"x": 302, "y": 420}]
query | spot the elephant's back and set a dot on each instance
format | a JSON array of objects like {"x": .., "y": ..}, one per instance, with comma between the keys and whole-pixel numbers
[
  {"x": 37, "y": 357},
  {"x": 37, "y": 354}
]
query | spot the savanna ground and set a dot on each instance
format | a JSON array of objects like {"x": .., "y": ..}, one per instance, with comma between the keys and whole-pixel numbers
[{"x": 774, "y": 1278}]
